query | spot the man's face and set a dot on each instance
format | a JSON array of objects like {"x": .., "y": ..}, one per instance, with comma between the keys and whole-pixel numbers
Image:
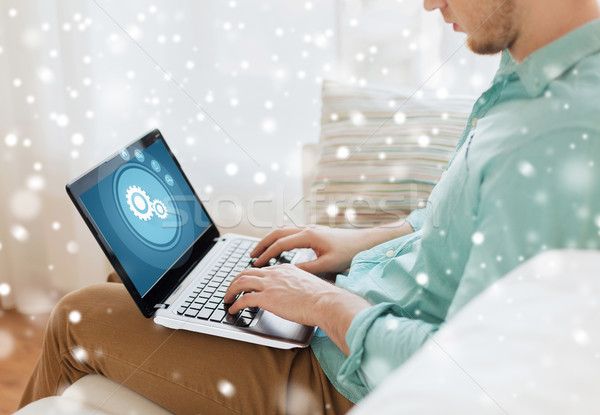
[{"x": 491, "y": 25}]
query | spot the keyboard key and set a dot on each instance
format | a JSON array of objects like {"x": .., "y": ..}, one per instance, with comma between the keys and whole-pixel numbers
[
  {"x": 191, "y": 313},
  {"x": 243, "y": 322},
  {"x": 248, "y": 314},
  {"x": 245, "y": 244},
  {"x": 182, "y": 310},
  {"x": 218, "y": 315},
  {"x": 230, "y": 318},
  {"x": 211, "y": 306},
  {"x": 205, "y": 313}
]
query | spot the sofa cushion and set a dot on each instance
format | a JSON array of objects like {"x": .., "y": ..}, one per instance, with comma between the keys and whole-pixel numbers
[
  {"x": 380, "y": 153},
  {"x": 95, "y": 394}
]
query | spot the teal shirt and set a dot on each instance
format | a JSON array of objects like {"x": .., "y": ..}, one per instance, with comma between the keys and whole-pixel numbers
[{"x": 525, "y": 178}]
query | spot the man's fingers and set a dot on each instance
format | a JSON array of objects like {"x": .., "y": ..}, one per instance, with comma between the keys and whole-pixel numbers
[
  {"x": 273, "y": 236},
  {"x": 258, "y": 272},
  {"x": 315, "y": 266},
  {"x": 245, "y": 283},
  {"x": 286, "y": 243},
  {"x": 246, "y": 300}
]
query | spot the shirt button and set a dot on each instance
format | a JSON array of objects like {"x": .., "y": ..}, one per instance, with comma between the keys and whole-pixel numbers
[
  {"x": 389, "y": 254},
  {"x": 474, "y": 121}
]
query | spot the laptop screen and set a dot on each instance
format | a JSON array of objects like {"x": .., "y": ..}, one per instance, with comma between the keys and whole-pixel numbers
[{"x": 144, "y": 213}]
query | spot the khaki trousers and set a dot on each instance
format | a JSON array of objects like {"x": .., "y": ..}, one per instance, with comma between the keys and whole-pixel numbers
[{"x": 185, "y": 372}]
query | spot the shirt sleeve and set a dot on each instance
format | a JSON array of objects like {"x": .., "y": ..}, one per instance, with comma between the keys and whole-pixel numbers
[
  {"x": 541, "y": 196},
  {"x": 380, "y": 339},
  {"x": 417, "y": 218}
]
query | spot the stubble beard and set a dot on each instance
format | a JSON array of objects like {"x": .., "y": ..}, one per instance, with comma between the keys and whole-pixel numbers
[{"x": 498, "y": 30}]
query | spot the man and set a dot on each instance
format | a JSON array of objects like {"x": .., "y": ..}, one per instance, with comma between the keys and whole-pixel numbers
[{"x": 523, "y": 180}]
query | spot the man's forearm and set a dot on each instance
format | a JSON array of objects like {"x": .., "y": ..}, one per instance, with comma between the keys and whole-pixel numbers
[
  {"x": 337, "y": 307},
  {"x": 383, "y": 233},
  {"x": 335, "y": 310}
]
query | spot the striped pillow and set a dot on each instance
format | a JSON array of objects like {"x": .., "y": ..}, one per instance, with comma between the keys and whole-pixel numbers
[{"x": 380, "y": 153}]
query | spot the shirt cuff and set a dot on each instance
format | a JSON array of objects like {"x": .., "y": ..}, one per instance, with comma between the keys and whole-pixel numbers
[
  {"x": 350, "y": 372},
  {"x": 416, "y": 219}
]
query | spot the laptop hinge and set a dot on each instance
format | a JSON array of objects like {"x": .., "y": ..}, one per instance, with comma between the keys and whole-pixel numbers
[{"x": 161, "y": 306}]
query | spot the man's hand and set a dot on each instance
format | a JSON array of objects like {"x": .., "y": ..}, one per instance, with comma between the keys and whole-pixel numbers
[
  {"x": 334, "y": 247},
  {"x": 296, "y": 295},
  {"x": 285, "y": 290}
]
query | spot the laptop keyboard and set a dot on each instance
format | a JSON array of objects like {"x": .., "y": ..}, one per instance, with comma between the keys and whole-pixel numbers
[{"x": 206, "y": 301}]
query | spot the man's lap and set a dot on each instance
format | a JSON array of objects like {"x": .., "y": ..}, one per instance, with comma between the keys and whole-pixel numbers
[{"x": 183, "y": 370}]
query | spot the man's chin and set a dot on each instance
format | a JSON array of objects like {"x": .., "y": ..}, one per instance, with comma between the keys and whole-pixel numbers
[{"x": 485, "y": 48}]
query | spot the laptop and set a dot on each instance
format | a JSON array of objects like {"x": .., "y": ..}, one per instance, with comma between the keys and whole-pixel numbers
[{"x": 162, "y": 243}]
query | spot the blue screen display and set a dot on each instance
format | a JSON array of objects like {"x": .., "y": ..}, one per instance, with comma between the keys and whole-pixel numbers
[{"x": 147, "y": 213}]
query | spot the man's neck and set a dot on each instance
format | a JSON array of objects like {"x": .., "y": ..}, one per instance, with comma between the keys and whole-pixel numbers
[{"x": 544, "y": 21}]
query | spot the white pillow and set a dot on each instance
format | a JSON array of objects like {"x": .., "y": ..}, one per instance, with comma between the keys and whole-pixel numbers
[
  {"x": 529, "y": 344},
  {"x": 381, "y": 152}
]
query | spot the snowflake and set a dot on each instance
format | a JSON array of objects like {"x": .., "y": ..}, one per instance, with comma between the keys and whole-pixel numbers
[
  {"x": 526, "y": 169},
  {"x": 259, "y": 177},
  {"x": 72, "y": 247},
  {"x": 26, "y": 205},
  {"x": 332, "y": 210},
  {"x": 478, "y": 238},
  {"x": 11, "y": 140},
  {"x": 581, "y": 337},
  {"x": 79, "y": 354},
  {"x": 77, "y": 139},
  {"x": 7, "y": 344},
  {"x": 399, "y": 118},
  {"x": 231, "y": 169},
  {"x": 62, "y": 120},
  {"x": 422, "y": 278},
  {"x": 36, "y": 182},
  {"x": 74, "y": 316},
  {"x": 226, "y": 388},
  {"x": 4, "y": 289},
  {"x": 268, "y": 125},
  {"x": 423, "y": 140}
]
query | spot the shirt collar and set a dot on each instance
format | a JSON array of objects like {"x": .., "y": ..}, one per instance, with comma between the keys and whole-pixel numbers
[{"x": 551, "y": 61}]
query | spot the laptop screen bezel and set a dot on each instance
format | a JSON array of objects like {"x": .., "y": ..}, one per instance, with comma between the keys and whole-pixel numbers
[{"x": 171, "y": 279}]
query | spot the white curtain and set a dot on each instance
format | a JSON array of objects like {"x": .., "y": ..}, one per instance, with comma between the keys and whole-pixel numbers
[{"x": 239, "y": 98}]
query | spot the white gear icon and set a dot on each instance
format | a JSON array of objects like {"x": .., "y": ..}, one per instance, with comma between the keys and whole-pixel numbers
[
  {"x": 139, "y": 203},
  {"x": 159, "y": 208}
]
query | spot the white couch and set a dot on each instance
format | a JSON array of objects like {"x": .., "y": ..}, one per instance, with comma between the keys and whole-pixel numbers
[
  {"x": 94, "y": 395},
  {"x": 530, "y": 344}
]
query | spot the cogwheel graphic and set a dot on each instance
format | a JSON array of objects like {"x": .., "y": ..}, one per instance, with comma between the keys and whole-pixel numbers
[
  {"x": 139, "y": 203},
  {"x": 159, "y": 208}
]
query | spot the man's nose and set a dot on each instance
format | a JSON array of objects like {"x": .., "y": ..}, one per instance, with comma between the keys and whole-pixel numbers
[{"x": 431, "y": 5}]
